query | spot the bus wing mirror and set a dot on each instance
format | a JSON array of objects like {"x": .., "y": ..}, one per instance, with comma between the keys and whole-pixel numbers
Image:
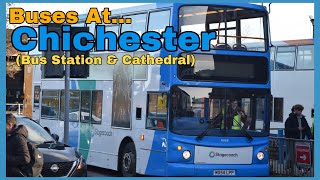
[
  {"x": 47, "y": 129},
  {"x": 55, "y": 137},
  {"x": 269, "y": 10}
]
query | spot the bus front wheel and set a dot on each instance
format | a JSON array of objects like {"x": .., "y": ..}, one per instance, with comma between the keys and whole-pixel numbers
[{"x": 128, "y": 160}]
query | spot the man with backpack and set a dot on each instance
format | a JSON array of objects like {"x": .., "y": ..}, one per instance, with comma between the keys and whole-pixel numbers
[{"x": 22, "y": 158}]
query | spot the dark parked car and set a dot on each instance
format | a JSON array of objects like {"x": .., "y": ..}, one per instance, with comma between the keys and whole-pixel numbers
[{"x": 60, "y": 160}]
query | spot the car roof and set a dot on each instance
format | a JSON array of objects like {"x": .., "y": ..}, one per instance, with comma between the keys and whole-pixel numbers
[{"x": 20, "y": 116}]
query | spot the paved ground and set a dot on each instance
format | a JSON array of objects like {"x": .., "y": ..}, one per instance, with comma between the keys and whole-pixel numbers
[{"x": 100, "y": 172}]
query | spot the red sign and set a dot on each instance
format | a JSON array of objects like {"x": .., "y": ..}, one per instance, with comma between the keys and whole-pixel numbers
[{"x": 303, "y": 154}]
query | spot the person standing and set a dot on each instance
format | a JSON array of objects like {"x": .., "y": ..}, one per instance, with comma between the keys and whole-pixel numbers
[
  {"x": 17, "y": 152},
  {"x": 296, "y": 126}
]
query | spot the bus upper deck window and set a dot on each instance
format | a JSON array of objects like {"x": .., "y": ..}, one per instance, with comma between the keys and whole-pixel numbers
[
  {"x": 236, "y": 28},
  {"x": 159, "y": 20}
]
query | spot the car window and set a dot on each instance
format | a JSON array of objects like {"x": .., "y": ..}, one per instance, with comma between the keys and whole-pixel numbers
[{"x": 36, "y": 134}]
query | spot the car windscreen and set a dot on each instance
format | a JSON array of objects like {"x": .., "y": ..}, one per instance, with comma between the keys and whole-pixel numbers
[{"x": 36, "y": 133}]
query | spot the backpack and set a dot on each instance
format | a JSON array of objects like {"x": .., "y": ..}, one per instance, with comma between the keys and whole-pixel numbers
[{"x": 34, "y": 168}]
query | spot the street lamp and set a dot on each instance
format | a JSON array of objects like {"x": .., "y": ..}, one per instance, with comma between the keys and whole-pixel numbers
[{"x": 312, "y": 22}]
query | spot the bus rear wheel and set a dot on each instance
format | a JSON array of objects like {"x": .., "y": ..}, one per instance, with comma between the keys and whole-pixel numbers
[{"x": 128, "y": 160}]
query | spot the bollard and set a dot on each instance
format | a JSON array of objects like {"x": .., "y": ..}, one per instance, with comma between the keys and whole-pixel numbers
[{"x": 19, "y": 112}]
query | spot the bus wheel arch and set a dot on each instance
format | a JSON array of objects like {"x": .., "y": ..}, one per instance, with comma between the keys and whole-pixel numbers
[{"x": 127, "y": 157}]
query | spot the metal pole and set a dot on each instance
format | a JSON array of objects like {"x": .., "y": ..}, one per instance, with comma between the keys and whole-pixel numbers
[
  {"x": 66, "y": 101},
  {"x": 312, "y": 22}
]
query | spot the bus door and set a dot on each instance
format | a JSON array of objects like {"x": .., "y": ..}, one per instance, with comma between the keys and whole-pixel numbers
[
  {"x": 85, "y": 131},
  {"x": 74, "y": 115},
  {"x": 157, "y": 123}
]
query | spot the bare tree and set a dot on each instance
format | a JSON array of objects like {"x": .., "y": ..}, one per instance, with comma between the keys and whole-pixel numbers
[
  {"x": 8, "y": 25},
  {"x": 11, "y": 67}
]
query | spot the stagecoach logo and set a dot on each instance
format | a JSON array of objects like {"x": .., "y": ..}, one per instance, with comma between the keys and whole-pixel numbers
[
  {"x": 54, "y": 168},
  {"x": 97, "y": 132},
  {"x": 213, "y": 154}
]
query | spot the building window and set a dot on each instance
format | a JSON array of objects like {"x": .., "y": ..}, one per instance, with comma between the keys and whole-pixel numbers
[
  {"x": 50, "y": 104},
  {"x": 157, "y": 111},
  {"x": 305, "y": 59},
  {"x": 278, "y": 110},
  {"x": 285, "y": 58}
]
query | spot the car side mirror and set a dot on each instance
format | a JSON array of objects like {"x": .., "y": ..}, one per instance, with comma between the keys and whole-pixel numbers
[
  {"x": 47, "y": 129},
  {"x": 55, "y": 137}
]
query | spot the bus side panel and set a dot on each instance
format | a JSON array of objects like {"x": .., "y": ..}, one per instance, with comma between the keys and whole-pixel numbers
[
  {"x": 143, "y": 149},
  {"x": 157, "y": 164},
  {"x": 103, "y": 149},
  {"x": 138, "y": 124}
]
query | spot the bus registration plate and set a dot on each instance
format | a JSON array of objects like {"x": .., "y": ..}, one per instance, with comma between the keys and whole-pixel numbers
[{"x": 224, "y": 172}]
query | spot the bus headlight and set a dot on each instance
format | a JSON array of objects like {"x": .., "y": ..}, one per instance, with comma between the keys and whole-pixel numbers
[
  {"x": 186, "y": 154},
  {"x": 260, "y": 155}
]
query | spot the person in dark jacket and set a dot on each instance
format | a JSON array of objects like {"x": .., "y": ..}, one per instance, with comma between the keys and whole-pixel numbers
[
  {"x": 296, "y": 126},
  {"x": 17, "y": 152}
]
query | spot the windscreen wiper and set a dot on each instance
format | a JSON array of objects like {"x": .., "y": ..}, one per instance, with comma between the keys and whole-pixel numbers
[
  {"x": 210, "y": 125},
  {"x": 58, "y": 146},
  {"x": 248, "y": 136}
]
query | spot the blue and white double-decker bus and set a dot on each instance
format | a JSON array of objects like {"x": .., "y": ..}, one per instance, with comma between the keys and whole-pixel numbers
[{"x": 210, "y": 119}]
